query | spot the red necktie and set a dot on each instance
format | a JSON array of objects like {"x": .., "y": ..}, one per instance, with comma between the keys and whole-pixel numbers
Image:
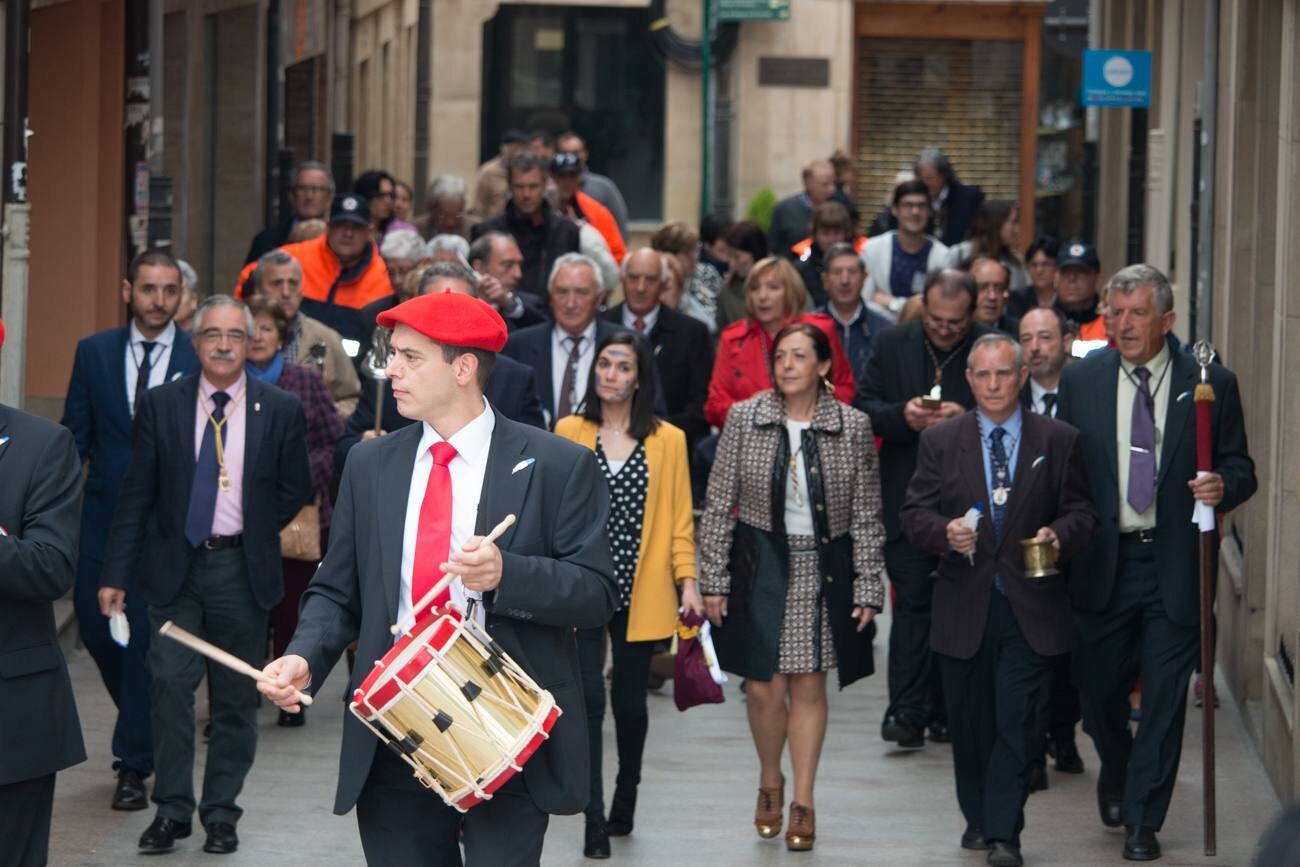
[{"x": 433, "y": 537}]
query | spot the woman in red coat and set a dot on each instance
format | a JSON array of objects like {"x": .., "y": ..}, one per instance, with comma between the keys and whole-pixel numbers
[{"x": 775, "y": 296}]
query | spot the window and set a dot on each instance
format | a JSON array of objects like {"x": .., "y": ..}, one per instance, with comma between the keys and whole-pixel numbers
[{"x": 591, "y": 70}]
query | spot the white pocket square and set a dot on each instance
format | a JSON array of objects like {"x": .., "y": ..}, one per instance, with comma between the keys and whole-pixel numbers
[
  {"x": 3, "y": 440},
  {"x": 1038, "y": 460},
  {"x": 175, "y": 376},
  {"x": 1183, "y": 395},
  {"x": 523, "y": 465}
]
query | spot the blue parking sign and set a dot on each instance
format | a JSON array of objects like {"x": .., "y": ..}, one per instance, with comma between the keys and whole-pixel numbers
[{"x": 1119, "y": 79}]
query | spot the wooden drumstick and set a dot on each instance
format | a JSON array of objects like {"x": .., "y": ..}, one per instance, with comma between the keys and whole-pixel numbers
[
  {"x": 427, "y": 599},
  {"x": 216, "y": 654}
]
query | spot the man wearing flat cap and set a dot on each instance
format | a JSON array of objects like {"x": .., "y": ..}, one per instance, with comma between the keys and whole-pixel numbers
[{"x": 415, "y": 504}]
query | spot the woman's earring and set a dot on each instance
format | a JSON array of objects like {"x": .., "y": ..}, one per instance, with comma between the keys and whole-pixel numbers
[{"x": 826, "y": 384}]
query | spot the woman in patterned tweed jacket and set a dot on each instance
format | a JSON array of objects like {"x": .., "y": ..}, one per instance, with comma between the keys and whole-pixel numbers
[{"x": 790, "y": 562}]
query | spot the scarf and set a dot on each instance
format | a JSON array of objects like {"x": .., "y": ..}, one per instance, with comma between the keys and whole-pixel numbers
[{"x": 269, "y": 374}]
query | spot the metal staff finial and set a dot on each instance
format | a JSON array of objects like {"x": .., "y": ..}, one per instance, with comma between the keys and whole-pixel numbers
[{"x": 1204, "y": 353}]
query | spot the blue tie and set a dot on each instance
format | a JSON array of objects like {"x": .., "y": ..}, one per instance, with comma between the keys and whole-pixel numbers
[
  {"x": 203, "y": 492},
  {"x": 1001, "y": 479}
]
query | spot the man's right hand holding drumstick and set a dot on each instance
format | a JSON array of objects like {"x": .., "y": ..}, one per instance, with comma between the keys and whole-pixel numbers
[{"x": 291, "y": 677}]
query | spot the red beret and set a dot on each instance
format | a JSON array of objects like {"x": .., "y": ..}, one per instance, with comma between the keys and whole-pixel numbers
[{"x": 450, "y": 318}]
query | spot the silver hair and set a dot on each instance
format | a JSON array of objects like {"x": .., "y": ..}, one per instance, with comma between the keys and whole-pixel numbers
[
  {"x": 449, "y": 269},
  {"x": 664, "y": 272},
  {"x": 447, "y": 187},
  {"x": 220, "y": 299},
  {"x": 574, "y": 260},
  {"x": 313, "y": 166},
  {"x": 995, "y": 340},
  {"x": 1126, "y": 280},
  {"x": 273, "y": 259},
  {"x": 404, "y": 245},
  {"x": 188, "y": 275},
  {"x": 451, "y": 244}
]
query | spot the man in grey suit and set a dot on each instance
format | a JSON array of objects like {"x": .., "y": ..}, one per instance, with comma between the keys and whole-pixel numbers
[
  {"x": 40, "y": 505},
  {"x": 415, "y": 504}
]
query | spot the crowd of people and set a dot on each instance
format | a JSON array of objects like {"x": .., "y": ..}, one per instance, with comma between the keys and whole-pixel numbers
[{"x": 784, "y": 430}]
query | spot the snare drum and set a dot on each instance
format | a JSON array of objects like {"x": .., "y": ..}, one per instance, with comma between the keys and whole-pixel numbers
[{"x": 451, "y": 704}]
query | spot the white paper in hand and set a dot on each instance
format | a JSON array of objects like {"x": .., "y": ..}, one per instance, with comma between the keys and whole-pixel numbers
[
  {"x": 705, "y": 638},
  {"x": 1203, "y": 513},
  {"x": 119, "y": 630},
  {"x": 971, "y": 521}
]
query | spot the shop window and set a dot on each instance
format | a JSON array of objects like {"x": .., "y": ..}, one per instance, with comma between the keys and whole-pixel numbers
[{"x": 554, "y": 68}]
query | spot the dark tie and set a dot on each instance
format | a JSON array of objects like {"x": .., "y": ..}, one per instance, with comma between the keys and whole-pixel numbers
[
  {"x": 1142, "y": 447},
  {"x": 142, "y": 375},
  {"x": 1001, "y": 479},
  {"x": 1049, "y": 403},
  {"x": 639, "y": 324},
  {"x": 203, "y": 492},
  {"x": 570, "y": 374}
]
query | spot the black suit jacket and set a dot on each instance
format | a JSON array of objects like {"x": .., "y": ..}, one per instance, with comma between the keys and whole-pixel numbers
[
  {"x": 556, "y": 576},
  {"x": 1048, "y": 489},
  {"x": 1087, "y": 400},
  {"x": 99, "y": 415},
  {"x": 40, "y": 497},
  {"x": 959, "y": 209},
  {"x": 683, "y": 353},
  {"x": 270, "y": 238},
  {"x": 147, "y": 547},
  {"x": 531, "y": 346},
  {"x": 791, "y": 223},
  {"x": 898, "y": 370},
  {"x": 510, "y": 389}
]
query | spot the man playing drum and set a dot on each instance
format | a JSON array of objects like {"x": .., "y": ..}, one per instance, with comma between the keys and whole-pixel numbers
[{"x": 417, "y": 503}]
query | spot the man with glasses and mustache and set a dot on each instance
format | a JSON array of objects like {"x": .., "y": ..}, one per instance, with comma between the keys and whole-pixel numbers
[
  {"x": 219, "y": 466},
  {"x": 110, "y": 374},
  {"x": 915, "y": 379},
  {"x": 313, "y": 187}
]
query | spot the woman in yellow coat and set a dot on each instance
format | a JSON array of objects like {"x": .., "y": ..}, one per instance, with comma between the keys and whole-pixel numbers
[{"x": 652, "y": 541}]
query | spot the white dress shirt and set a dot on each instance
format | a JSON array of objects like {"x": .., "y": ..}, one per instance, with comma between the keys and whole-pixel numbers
[
  {"x": 1036, "y": 393},
  {"x": 162, "y": 357},
  {"x": 798, "y": 517},
  {"x": 560, "y": 359},
  {"x": 630, "y": 318},
  {"x": 467, "y": 470}
]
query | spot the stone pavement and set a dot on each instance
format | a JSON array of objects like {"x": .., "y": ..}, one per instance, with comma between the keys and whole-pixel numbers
[{"x": 875, "y": 805}]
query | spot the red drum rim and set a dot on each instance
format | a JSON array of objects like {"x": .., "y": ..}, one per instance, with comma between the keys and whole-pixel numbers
[
  {"x": 472, "y": 798},
  {"x": 404, "y": 662}
]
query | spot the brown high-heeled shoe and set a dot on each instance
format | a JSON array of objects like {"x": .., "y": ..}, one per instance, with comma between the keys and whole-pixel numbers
[
  {"x": 802, "y": 830},
  {"x": 767, "y": 815}
]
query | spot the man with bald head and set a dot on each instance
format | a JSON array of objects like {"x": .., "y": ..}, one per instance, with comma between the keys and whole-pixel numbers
[
  {"x": 681, "y": 344},
  {"x": 792, "y": 217}
]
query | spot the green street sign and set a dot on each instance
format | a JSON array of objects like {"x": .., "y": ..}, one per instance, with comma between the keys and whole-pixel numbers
[{"x": 753, "y": 10}]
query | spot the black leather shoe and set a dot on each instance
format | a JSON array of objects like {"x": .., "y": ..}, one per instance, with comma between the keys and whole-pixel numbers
[
  {"x": 903, "y": 732},
  {"x": 130, "y": 793},
  {"x": 162, "y": 834},
  {"x": 1004, "y": 855},
  {"x": 596, "y": 840},
  {"x": 222, "y": 839},
  {"x": 1110, "y": 804},
  {"x": 292, "y": 720},
  {"x": 1037, "y": 778},
  {"x": 973, "y": 838},
  {"x": 621, "y": 810},
  {"x": 939, "y": 734},
  {"x": 1068, "y": 760},
  {"x": 1141, "y": 844}
]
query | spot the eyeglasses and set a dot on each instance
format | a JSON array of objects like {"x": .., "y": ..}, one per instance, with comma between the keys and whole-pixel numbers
[
  {"x": 913, "y": 206},
  {"x": 214, "y": 335},
  {"x": 316, "y": 189}
]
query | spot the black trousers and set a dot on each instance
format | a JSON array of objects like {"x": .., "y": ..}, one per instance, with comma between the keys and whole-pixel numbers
[
  {"x": 995, "y": 701},
  {"x": 404, "y": 824},
  {"x": 216, "y": 603},
  {"x": 25, "y": 810},
  {"x": 123, "y": 669},
  {"x": 1062, "y": 710},
  {"x": 627, "y": 698},
  {"x": 1134, "y": 634},
  {"x": 913, "y": 686}
]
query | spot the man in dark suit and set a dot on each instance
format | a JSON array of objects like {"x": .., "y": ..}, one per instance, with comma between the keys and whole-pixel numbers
[
  {"x": 496, "y": 259},
  {"x": 997, "y": 632},
  {"x": 198, "y": 541},
  {"x": 914, "y": 364},
  {"x": 792, "y": 216},
  {"x": 993, "y": 286},
  {"x": 542, "y": 234},
  {"x": 954, "y": 203},
  {"x": 110, "y": 373},
  {"x": 313, "y": 188},
  {"x": 511, "y": 387},
  {"x": 681, "y": 344},
  {"x": 40, "y": 496},
  {"x": 1135, "y": 589},
  {"x": 561, "y": 353},
  {"x": 415, "y": 504}
]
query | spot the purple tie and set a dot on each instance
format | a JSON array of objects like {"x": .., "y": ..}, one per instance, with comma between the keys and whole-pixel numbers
[{"x": 1142, "y": 447}]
